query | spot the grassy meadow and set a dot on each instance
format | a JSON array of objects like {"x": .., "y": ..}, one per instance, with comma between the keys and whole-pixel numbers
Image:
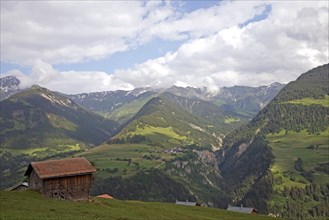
[
  {"x": 44, "y": 150},
  {"x": 310, "y": 101},
  {"x": 30, "y": 205},
  {"x": 38, "y": 150},
  {"x": 128, "y": 110},
  {"x": 230, "y": 120},
  {"x": 165, "y": 136},
  {"x": 288, "y": 146},
  {"x": 127, "y": 158}
]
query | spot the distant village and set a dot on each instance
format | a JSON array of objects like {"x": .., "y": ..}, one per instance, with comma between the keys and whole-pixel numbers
[{"x": 175, "y": 150}]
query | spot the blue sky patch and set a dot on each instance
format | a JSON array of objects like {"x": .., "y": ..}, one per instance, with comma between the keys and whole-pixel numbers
[{"x": 259, "y": 17}]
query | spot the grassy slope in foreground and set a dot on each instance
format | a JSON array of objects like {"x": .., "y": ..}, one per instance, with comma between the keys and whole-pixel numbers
[{"x": 31, "y": 205}]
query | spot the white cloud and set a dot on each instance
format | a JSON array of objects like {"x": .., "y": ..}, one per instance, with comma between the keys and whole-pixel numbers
[
  {"x": 72, "y": 32},
  {"x": 216, "y": 52},
  {"x": 293, "y": 39},
  {"x": 67, "y": 32},
  {"x": 69, "y": 82}
]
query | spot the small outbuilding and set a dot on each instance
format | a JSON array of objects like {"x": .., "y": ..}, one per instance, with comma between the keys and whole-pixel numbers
[
  {"x": 241, "y": 209},
  {"x": 105, "y": 196},
  {"x": 187, "y": 203},
  {"x": 18, "y": 187},
  {"x": 68, "y": 179}
]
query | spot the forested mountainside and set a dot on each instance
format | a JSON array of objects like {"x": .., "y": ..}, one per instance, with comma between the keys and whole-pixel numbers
[
  {"x": 116, "y": 105},
  {"x": 241, "y": 101},
  {"x": 150, "y": 173},
  {"x": 51, "y": 125},
  {"x": 38, "y": 123},
  {"x": 39, "y": 117},
  {"x": 279, "y": 161},
  {"x": 173, "y": 120}
]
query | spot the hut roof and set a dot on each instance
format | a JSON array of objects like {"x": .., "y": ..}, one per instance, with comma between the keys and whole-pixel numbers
[
  {"x": 241, "y": 209},
  {"x": 21, "y": 184},
  {"x": 60, "y": 168},
  {"x": 187, "y": 203},
  {"x": 105, "y": 196}
]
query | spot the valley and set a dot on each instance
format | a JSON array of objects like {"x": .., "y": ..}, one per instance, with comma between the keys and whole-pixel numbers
[
  {"x": 183, "y": 110},
  {"x": 263, "y": 147}
]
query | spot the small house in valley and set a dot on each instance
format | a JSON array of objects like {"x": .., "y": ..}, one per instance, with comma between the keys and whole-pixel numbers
[
  {"x": 187, "y": 203},
  {"x": 68, "y": 179},
  {"x": 242, "y": 209}
]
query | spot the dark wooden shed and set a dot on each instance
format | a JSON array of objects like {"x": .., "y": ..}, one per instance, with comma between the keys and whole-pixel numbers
[
  {"x": 62, "y": 179},
  {"x": 242, "y": 209}
]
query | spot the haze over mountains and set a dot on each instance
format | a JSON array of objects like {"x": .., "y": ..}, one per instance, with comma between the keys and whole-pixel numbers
[{"x": 265, "y": 147}]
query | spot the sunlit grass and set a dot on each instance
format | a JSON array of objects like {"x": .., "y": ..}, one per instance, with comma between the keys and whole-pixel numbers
[
  {"x": 288, "y": 146},
  {"x": 310, "y": 101},
  {"x": 116, "y": 156},
  {"x": 229, "y": 120},
  {"x": 30, "y": 205}
]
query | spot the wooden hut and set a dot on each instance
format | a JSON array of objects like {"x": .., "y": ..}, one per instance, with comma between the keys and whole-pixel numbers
[
  {"x": 62, "y": 179},
  {"x": 242, "y": 209}
]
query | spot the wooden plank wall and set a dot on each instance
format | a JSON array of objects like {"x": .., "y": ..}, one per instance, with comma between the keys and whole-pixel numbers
[{"x": 77, "y": 186}]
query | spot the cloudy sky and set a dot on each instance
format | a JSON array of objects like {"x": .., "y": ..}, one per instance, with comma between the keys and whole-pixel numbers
[{"x": 87, "y": 46}]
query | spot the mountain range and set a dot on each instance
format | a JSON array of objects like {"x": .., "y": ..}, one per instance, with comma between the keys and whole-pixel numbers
[
  {"x": 38, "y": 117},
  {"x": 265, "y": 147},
  {"x": 208, "y": 117}
]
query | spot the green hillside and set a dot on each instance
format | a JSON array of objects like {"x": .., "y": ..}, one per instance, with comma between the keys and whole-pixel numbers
[
  {"x": 170, "y": 139},
  {"x": 279, "y": 161},
  {"x": 299, "y": 157},
  {"x": 207, "y": 110},
  {"x": 40, "y": 124},
  {"x": 167, "y": 132},
  {"x": 38, "y": 117},
  {"x": 162, "y": 122},
  {"x": 125, "y": 170},
  {"x": 126, "y": 159},
  {"x": 311, "y": 101},
  {"x": 30, "y": 205},
  {"x": 127, "y": 110}
]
